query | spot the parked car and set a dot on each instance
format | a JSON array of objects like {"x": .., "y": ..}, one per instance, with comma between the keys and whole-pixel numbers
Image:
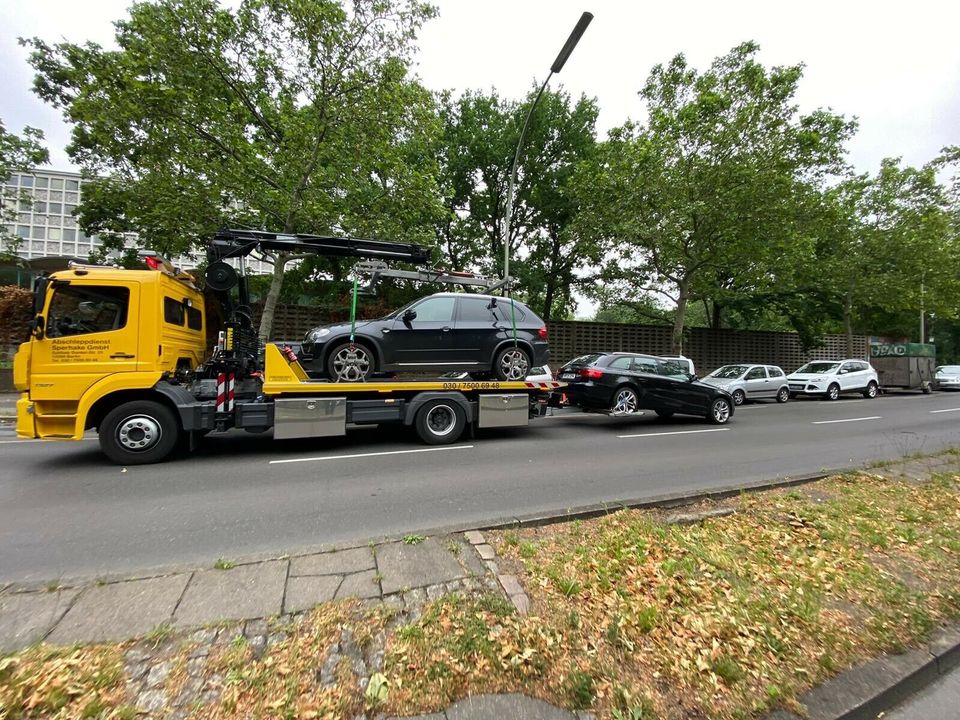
[
  {"x": 947, "y": 377},
  {"x": 750, "y": 382},
  {"x": 625, "y": 383},
  {"x": 541, "y": 373},
  {"x": 439, "y": 333},
  {"x": 831, "y": 378}
]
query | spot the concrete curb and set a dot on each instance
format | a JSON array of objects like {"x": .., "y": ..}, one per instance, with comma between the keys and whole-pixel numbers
[
  {"x": 866, "y": 691},
  {"x": 586, "y": 512}
]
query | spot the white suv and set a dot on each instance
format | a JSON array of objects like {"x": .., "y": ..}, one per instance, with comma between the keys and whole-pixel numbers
[{"x": 831, "y": 378}]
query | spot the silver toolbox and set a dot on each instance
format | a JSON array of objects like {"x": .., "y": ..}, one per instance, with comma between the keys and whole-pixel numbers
[
  {"x": 309, "y": 417},
  {"x": 503, "y": 411}
]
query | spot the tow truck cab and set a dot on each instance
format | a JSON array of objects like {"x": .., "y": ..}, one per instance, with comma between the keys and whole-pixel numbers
[{"x": 100, "y": 331}]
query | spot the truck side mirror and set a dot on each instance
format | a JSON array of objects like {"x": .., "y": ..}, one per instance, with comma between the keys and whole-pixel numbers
[{"x": 36, "y": 327}]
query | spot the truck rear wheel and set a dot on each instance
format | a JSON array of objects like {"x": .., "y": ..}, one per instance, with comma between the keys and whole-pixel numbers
[
  {"x": 139, "y": 432},
  {"x": 440, "y": 422}
]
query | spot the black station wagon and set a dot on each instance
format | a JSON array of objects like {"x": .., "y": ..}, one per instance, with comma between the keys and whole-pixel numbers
[{"x": 625, "y": 383}]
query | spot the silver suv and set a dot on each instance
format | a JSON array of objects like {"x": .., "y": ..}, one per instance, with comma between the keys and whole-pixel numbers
[{"x": 831, "y": 378}]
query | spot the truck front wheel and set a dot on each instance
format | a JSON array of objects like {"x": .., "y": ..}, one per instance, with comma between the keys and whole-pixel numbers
[{"x": 139, "y": 432}]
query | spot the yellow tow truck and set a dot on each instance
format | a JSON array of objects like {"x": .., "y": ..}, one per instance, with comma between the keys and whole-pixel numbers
[{"x": 153, "y": 362}]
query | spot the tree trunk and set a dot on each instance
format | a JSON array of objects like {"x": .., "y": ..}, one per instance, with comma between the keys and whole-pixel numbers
[
  {"x": 548, "y": 301},
  {"x": 273, "y": 297},
  {"x": 715, "y": 315},
  {"x": 848, "y": 321},
  {"x": 676, "y": 338}
]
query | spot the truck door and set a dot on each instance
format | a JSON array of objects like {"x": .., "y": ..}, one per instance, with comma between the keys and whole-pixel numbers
[{"x": 90, "y": 332}]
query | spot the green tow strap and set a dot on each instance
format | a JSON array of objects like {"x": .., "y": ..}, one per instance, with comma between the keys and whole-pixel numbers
[{"x": 353, "y": 311}]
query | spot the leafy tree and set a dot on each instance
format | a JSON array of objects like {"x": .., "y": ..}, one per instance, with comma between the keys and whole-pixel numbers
[
  {"x": 891, "y": 250},
  {"x": 479, "y": 140},
  {"x": 17, "y": 154},
  {"x": 282, "y": 114},
  {"x": 709, "y": 198}
]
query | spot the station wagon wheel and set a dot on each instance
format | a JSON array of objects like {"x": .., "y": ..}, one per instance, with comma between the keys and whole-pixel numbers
[
  {"x": 871, "y": 391},
  {"x": 833, "y": 392},
  {"x": 511, "y": 363},
  {"x": 139, "y": 432},
  {"x": 783, "y": 395},
  {"x": 625, "y": 401},
  {"x": 350, "y": 362},
  {"x": 738, "y": 397},
  {"x": 439, "y": 422},
  {"x": 719, "y": 411}
]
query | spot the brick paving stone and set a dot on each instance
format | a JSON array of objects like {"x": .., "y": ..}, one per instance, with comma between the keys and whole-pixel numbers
[
  {"x": 486, "y": 552},
  {"x": 119, "y": 611},
  {"x": 247, "y": 591},
  {"x": 511, "y": 585},
  {"x": 521, "y": 602},
  {"x": 341, "y": 562},
  {"x": 408, "y": 566},
  {"x": 474, "y": 537},
  {"x": 26, "y": 617},
  {"x": 305, "y": 592},
  {"x": 361, "y": 585}
]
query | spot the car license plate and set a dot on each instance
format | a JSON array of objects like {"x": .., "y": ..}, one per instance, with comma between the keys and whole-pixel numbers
[{"x": 568, "y": 376}]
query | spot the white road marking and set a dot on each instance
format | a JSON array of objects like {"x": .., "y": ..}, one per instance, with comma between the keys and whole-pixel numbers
[
  {"x": 373, "y": 454},
  {"x": 840, "y": 403},
  {"x": 678, "y": 432},
  {"x": 830, "y": 422},
  {"x": 933, "y": 412}
]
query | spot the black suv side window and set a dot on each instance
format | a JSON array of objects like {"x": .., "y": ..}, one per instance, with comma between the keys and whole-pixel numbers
[
  {"x": 437, "y": 309},
  {"x": 620, "y": 363},
  {"x": 475, "y": 310}
]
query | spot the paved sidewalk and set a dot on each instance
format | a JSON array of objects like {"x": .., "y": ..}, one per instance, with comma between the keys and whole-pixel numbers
[
  {"x": 257, "y": 603},
  {"x": 391, "y": 572}
]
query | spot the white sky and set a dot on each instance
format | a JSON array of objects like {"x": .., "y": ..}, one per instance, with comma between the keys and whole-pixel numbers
[{"x": 893, "y": 65}]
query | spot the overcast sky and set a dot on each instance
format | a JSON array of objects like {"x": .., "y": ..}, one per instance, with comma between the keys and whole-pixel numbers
[{"x": 893, "y": 65}]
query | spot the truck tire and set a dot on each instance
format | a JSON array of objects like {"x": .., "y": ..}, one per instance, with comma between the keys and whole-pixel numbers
[
  {"x": 440, "y": 422},
  {"x": 139, "y": 432}
]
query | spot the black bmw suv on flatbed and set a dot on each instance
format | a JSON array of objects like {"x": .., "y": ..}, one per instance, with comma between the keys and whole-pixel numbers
[
  {"x": 437, "y": 334},
  {"x": 625, "y": 383}
]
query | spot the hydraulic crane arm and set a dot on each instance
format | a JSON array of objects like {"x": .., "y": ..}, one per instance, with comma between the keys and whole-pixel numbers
[{"x": 240, "y": 243}]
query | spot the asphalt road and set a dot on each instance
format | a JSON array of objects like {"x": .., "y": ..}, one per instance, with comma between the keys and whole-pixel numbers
[{"x": 65, "y": 511}]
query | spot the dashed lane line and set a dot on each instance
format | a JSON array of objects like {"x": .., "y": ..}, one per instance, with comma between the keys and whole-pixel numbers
[
  {"x": 678, "y": 432},
  {"x": 372, "y": 454},
  {"x": 934, "y": 412},
  {"x": 831, "y": 422}
]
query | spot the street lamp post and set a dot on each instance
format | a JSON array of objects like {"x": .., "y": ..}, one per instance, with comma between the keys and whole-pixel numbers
[{"x": 557, "y": 66}]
